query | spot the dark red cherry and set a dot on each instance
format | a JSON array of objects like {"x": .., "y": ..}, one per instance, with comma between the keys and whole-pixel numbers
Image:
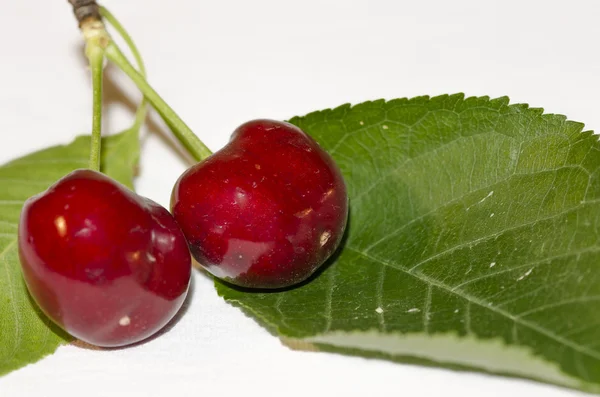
[
  {"x": 266, "y": 210},
  {"x": 107, "y": 265}
]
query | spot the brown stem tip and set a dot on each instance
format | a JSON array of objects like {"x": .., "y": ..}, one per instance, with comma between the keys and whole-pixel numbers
[{"x": 85, "y": 9}]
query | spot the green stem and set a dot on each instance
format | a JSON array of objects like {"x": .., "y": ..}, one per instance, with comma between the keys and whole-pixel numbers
[
  {"x": 95, "y": 55},
  {"x": 107, "y": 15},
  {"x": 181, "y": 131},
  {"x": 140, "y": 114}
]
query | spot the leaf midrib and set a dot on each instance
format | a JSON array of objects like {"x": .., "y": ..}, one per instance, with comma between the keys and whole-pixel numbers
[
  {"x": 499, "y": 233},
  {"x": 472, "y": 299}
]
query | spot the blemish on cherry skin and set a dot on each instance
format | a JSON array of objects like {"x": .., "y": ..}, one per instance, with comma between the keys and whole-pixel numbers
[{"x": 324, "y": 238}]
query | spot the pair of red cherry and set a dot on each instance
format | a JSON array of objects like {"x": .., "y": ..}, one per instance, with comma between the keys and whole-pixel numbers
[{"x": 112, "y": 267}]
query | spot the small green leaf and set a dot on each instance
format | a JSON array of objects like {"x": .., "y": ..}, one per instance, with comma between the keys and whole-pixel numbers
[
  {"x": 120, "y": 155},
  {"x": 26, "y": 335},
  {"x": 474, "y": 242}
]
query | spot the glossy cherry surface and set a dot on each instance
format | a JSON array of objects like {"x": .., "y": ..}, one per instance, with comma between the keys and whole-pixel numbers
[
  {"x": 107, "y": 265},
  {"x": 266, "y": 210}
]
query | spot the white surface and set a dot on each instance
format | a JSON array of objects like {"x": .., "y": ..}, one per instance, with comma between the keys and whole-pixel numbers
[{"x": 220, "y": 63}]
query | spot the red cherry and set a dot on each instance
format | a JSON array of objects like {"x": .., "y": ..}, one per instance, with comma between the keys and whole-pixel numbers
[
  {"x": 108, "y": 266},
  {"x": 266, "y": 210}
]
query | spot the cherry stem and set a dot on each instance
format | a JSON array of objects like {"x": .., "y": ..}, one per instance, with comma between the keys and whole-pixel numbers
[
  {"x": 95, "y": 39},
  {"x": 182, "y": 132},
  {"x": 96, "y": 63},
  {"x": 140, "y": 114},
  {"x": 89, "y": 13}
]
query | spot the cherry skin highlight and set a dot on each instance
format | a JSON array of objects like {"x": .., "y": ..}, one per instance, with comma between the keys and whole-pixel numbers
[
  {"x": 266, "y": 210},
  {"x": 108, "y": 266}
]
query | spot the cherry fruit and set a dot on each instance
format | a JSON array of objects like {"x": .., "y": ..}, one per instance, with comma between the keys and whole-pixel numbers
[
  {"x": 266, "y": 210},
  {"x": 107, "y": 265}
]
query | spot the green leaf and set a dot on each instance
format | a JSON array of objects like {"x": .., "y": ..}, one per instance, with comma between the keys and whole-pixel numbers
[
  {"x": 474, "y": 242},
  {"x": 120, "y": 155},
  {"x": 26, "y": 335}
]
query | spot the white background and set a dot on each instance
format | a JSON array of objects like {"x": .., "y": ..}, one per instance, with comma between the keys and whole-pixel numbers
[{"x": 220, "y": 63}]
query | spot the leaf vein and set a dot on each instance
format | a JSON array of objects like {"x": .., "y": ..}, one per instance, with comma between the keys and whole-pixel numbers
[
  {"x": 548, "y": 260},
  {"x": 427, "y": 309},
  {"x": 329, "y": 299},
  {"x": 533, "y": 326},
  {"x": 379, "y": 293},
  {"x": 494, "y": 235},
  {"x": 581, "y": 299},
  {"x": 17, "y": 343}
]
